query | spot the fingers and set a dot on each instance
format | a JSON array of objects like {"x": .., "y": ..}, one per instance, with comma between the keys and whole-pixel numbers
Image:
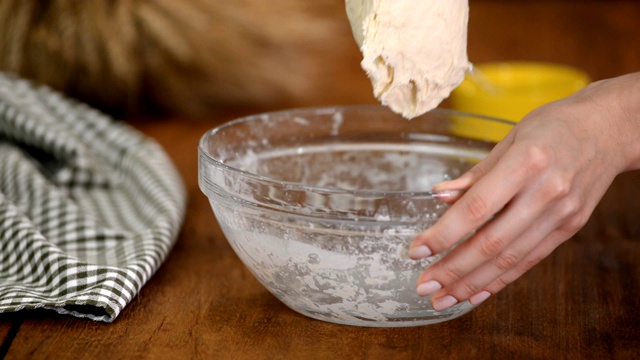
[
  {"x": 493, "y": 274},
  {"x": 488, "y": 195},
  {"x": 534, "y": 191},
  {"x": 474, "y": 204},
  {"x": 450, "y": 191},
  {"x": 491, "y": 242},
  {"x": 533, "y": 258},
  {"x": 502, "y": 250},
  {"x": 470, "y": 177},
  {"x": 469, "y": 212}
]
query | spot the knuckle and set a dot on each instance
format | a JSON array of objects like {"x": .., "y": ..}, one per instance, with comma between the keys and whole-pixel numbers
[
  {"x": 498, "y": 284},
  {"x": 514, "y": 273},
  {"x": 490, "y": 244},
  {"x": 477, "y": 209},
  {"x": 528, "y": 264},
  {"x": 538, "y": 158},
  {"x": 575, "y": 223},
  {"x": 451, "y": 272},
  {"x": 438, "y": 242},
  {"x": 465, "y": 288},
  {"x": 558, "y": 188},
  {"x": 505, "y": 261},
  {"x": 570, "y": 208},
  {"x": 476, "y": 172}
]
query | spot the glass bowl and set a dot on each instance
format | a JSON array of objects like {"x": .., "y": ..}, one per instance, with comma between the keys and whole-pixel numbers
[{"x": 321, "y": 205}]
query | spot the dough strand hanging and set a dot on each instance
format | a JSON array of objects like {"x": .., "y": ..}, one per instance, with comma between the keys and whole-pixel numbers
[{"x": 414, "y": 51}]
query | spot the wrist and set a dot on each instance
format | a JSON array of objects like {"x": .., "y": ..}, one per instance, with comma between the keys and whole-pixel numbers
[
  {"x": 617, "y": 102},
  {"x": 627, "y": 107}
]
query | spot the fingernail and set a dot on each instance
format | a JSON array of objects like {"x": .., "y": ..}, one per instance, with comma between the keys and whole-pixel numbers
[
  {"x": 479, "y": 297},
  {"x": 445, "y": 193},
  {"x": 428, "y": 288},
  {"x": 419, "y": 252},
  {"x": 448, "y": 196},
  {"x": 444, "y": 303}
]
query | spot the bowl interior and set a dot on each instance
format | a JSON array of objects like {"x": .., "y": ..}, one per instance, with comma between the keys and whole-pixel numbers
[{"x": 336, "y": 161}]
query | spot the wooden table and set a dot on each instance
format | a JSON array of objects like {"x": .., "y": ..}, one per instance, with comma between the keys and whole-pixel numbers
[{"x": 583, "y": 301}]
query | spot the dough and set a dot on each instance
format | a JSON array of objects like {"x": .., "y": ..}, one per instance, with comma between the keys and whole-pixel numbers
[{"x": 414, "y": 51}]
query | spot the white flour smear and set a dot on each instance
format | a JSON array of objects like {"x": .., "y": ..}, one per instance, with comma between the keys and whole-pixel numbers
[
  {"x": 339, "y": 269},
  {"x": 351, "y": 279}
]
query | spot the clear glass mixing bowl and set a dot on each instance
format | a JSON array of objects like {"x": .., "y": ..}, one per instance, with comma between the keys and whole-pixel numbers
[{"x": 322, "y": 203}]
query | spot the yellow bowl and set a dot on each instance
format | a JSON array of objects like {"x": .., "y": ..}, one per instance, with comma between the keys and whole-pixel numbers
[{"x": 510, "y": 90}]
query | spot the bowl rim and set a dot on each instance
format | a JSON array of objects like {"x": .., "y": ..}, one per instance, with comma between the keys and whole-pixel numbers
[{"x": 294, "y": 186}]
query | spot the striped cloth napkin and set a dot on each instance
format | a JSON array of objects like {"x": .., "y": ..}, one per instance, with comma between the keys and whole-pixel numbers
[{"x": 89, "y": 207}]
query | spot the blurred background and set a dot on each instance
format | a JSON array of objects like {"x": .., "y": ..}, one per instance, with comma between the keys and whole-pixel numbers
[{"x": 194, "y": 58}]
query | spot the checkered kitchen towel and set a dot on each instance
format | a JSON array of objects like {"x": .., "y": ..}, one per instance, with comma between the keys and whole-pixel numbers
[{"x": 89, "y": 207}]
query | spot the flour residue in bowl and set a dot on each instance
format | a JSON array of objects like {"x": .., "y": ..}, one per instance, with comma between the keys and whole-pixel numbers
[
  {"x": 323, "y": 257},
  {"x": 358, "y": 278},
  {"x": 360, "y": 166}
]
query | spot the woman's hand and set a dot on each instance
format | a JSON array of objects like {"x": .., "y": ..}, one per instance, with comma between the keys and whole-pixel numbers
[{"x": 535, "y": 190}]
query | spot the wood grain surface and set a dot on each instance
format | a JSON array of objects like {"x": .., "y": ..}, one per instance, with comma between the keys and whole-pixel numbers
[{"x": 582, "y": 302}]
